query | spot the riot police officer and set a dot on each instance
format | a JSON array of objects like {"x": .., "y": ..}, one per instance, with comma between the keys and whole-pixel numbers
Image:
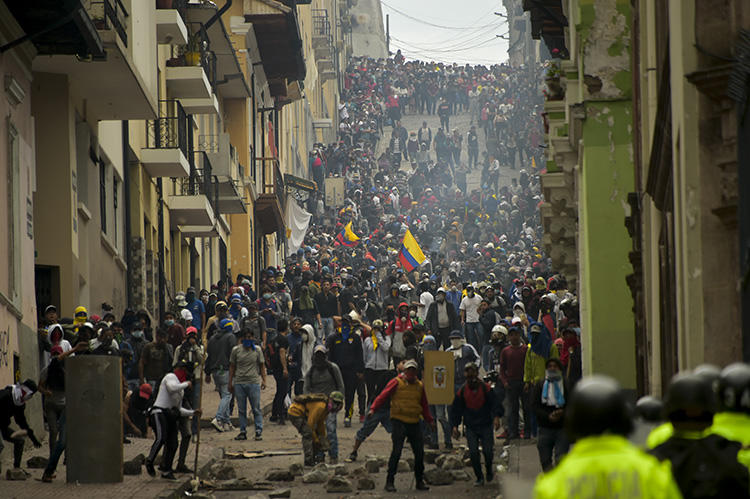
[{"x": 602, "y": 463}]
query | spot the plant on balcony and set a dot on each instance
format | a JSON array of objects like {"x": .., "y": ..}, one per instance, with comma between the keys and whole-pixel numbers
[{"x": 555, "y": 89}]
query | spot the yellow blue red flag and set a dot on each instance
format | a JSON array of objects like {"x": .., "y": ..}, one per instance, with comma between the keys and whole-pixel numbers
[
  {"x": 347, "y": 237},
  {"x": 411, "y": 255}
]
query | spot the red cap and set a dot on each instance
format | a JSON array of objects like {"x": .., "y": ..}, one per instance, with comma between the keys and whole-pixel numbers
[{"x": 145, "y": 391}]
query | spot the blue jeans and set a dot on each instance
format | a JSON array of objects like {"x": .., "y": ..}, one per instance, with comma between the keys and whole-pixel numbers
[
  {"x": 440, "y": 414},
  {"x": 221, "y": 380},
  {"x": 333, "y": 439},
  {"x": 382, "y": 416},
  {"x": 327, "y": 327},
  {"x": 473, "y": 334},
  {"x": 244, "y": 392},
  {"x": 56, "y": 453}
]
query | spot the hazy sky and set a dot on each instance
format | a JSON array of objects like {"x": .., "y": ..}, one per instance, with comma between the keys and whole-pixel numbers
[{"x": 448, "y": 30}]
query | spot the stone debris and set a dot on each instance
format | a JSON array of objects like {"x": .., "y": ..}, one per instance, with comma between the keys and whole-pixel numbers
[
  {"x": 39, "y": 462},
  {"x": 372, "y": 465},
  {"x": 438, "y": 476},
  {"x": 315, "y": 476},
  {"x": 460, "y": 475},
  {"x": 280, "y": 493},
  {"x": 222, "y": 470},
  {"x": 365, "y": 483},
  {"x": 403, "y": 466},
  {"x": 279, "y": 475},
  {"x": 338, "y": 484},
  {"x": 296, "y": 469}
]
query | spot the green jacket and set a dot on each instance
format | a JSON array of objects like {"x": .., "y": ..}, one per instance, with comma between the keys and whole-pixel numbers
[
  {"x": 606, "y": 466},
  {"x": 535, "y": 365}
]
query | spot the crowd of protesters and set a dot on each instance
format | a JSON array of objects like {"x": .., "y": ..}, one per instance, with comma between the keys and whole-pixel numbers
[{"x": 344, "y": 316}]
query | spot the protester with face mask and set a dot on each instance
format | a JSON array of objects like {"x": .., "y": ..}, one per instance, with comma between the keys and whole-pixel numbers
[
  {"x": 218, "y": 351},
  {"x": 135, "y": 342},
  {"x": 308, "y": 414},
  {"x": 548, "y": 400},
  {"x": 256, "y": 323},
  {"x": 441, "y": 319},
  {"x": 190, "y": 355},
  {"x": 408, "y": 402},
  {"x": 396, "y": 330},
  {"x": 268, "y": 308},
  {"x": 13, "y": 400},
  {"x": 197, "y": 308},
  {"x": 325, "y": 377},
  {"x": 294, "y": 357},
  {"x": 156, "y": 360},
  {"x": 221, "y": 311},
  {"x": 165, "y": 414},
  {"x": 469, "y": 309},
  {"x": 478, "y": 407},
  {"x": 247, "y": 377},
  {"x": 175, "y": 331}
]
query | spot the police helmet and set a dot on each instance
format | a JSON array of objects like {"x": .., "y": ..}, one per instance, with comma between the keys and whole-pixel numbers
[
  {"x": 689, "y": 398},
  {"x": 649, "y": 409},
  {"x": 598, "y": 406},
  {"x": 734, "y": 388}
]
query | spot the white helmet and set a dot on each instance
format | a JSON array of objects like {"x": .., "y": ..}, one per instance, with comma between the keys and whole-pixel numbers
[
  {"x": 500, "y": 329},
  {"x": 404, "y": 288}
]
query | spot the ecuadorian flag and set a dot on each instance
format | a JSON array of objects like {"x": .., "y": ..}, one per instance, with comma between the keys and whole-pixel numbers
[
  {"x": 411, "y": 255},
  {"x": 347, "y": 237}
]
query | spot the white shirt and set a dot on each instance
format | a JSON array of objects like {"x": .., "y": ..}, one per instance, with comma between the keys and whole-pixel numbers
[
  {"x": 170, "y": 395},
  {"x": 470, "y": 306},
  {"x": 425, "y": 300}
]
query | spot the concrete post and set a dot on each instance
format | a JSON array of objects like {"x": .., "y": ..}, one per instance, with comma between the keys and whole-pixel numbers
[{"x": 94, "y": 419}]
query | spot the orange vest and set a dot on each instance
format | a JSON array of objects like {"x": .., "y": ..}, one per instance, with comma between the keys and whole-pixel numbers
[{"x": 406, "y": 402}]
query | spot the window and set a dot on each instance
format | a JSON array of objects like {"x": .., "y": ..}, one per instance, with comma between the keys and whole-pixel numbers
[
  {"x": 103, "y": 195},
  {"x": 115, "y": 218},
  {"x": 13, "y": 213}
]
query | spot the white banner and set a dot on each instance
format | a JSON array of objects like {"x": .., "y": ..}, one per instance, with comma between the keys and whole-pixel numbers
[{"x": 297, "y": 222}]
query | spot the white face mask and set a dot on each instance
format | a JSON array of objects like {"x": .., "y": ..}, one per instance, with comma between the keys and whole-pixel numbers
[
  {"x": 413, "y": 313},
  {"x": 456, "y": 342}
]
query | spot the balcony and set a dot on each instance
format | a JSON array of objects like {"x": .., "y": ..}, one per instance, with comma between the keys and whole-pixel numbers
[
  {"x": 227, "y": 170},
  {"x": 271, "y": 201},
  {"x": 166, "y": 151},
  {"x": 322, "y": 41},
  {"x": 106, "y": 78},
  {"x": 194, "y": 205},
  {"x": 228, "y": 70},
  {"x": 170, "y": 27},
  {"x": 279, "y": 42},
  {"x": 191, "y": 71}
]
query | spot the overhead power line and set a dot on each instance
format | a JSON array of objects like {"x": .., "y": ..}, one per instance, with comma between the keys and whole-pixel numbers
[{"x": 434, "y": 25}]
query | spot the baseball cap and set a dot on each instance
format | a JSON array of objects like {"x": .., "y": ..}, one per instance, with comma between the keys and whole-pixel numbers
[
  {"x": 226, "y": 324},
  {"x": 49, "y": 308},
  {"x": 377, "y": 323},
  {"x": 221, "y": 304},
  {"x": 320, "y": 348},
  {"x": 236, "y": 298},
  {"x": 410, "y": 363},
  {"x": 145, "y": 391},
  {"x": 441, "y": 290},
  {"x": 456, "y": 334},
  {"x": 191, "y": 330}
]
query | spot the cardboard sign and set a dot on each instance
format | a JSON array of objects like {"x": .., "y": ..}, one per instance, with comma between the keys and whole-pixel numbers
[
  {"x": 439, "y": 368},
  {"x": 334, "y": 191}
]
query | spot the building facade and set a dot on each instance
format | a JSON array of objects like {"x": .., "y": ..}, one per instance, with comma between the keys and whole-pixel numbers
[
  {"x": 152, "y": 146},
  {"x": 646, "y": 114},
  {"x": 589, "y": 171}
]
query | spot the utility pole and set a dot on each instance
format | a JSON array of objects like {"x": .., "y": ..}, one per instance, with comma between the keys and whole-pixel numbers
[{"x": 388, "y": 34}]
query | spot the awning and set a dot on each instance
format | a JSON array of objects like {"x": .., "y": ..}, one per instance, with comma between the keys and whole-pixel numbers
[
  {"x": 279, "y": 41},
  {"x": 300, "y": 183}
]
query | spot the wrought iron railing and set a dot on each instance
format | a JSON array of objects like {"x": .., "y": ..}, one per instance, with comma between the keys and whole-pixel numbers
[
  {"x": 198, "y": 51},
  {"x": 201, "y": 180},
  {"x": 321, "y": 23},
  {"x": 109, "y": 14},
  {"x": 170, "y": 129}
]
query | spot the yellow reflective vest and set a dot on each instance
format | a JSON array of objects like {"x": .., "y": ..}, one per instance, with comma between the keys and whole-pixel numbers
[
  {"x": 732, "y": 426},
  {"x": 607, "y": 466},
  {"x": 659, "y": 435}
]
